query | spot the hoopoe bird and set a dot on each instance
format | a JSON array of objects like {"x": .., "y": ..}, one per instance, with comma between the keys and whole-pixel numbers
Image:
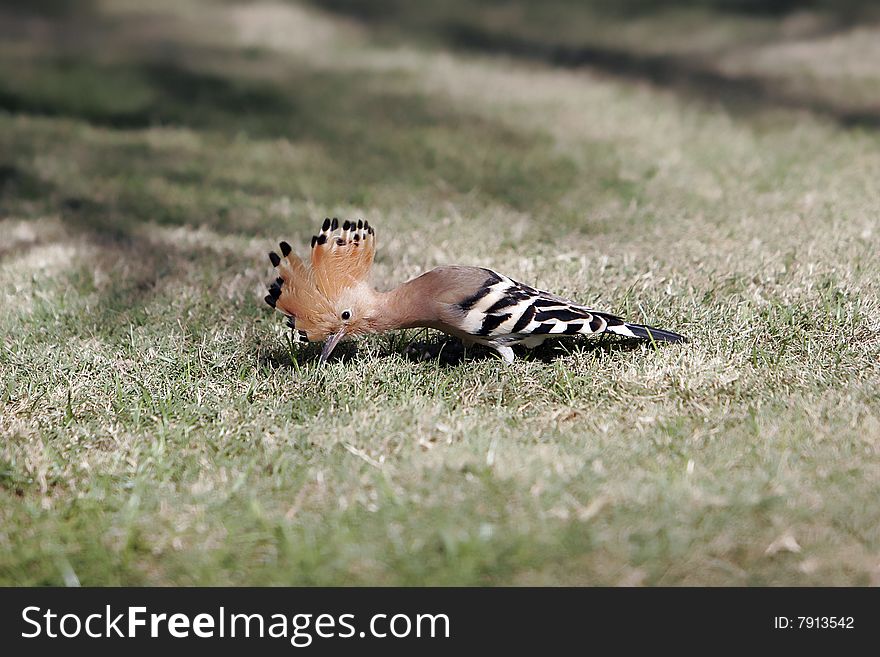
[{"x": 331, "y": 300}]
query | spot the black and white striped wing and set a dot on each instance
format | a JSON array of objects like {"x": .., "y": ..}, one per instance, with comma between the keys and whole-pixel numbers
[{"x": 507, "y": 312}]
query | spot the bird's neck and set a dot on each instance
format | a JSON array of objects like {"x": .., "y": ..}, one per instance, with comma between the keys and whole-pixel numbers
[{"x": 406, "y": 306}]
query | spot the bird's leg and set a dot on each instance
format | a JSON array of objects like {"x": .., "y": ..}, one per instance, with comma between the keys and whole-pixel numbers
[
  {"x": 464, "y": 347},
  {"x": 506, "y": 353}
]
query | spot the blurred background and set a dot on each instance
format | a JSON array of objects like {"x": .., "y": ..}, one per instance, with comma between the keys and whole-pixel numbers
[{"x": 273, "y": 70}]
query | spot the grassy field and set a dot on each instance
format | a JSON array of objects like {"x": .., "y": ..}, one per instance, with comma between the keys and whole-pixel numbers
[{"x": 713, "y": 172}]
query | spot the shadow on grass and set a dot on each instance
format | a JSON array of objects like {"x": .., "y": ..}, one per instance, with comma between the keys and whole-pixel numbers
[
  {"x": 449, "y": 352},
  {"x": 452, "y": 352},
  {"x": 130, "y": 276},
  {"x": 382, "y": 10},
  {"x": 15, "y": 182},
  {"x": 740, "y": 94},
  {"x": 144, "y": 94},
  {"x": 371, "y": 134},
  {"x": 302, "y": 355},
  {"x": 49, "y": 8},
  {"x": 465, "y": 28}
]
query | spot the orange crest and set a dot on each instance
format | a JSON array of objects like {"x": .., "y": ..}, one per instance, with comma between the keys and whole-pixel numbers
[{"x": 310, "y": 295}]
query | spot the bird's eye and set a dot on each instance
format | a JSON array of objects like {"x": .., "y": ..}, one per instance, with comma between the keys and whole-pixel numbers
[{"x": 346, "y": 315}]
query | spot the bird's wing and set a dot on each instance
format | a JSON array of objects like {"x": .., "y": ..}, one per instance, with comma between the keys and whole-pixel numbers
[{"x": 504, "y": 310}]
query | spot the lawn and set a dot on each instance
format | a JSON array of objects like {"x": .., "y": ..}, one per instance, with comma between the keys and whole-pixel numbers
[{"x": 709, "y": 170}]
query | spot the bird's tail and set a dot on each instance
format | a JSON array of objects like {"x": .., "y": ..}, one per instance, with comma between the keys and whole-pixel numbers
[{"x": 645, "y": 332}]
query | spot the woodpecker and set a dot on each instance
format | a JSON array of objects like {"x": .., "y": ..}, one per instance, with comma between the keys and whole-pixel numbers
[{"x": 331, "y": 300}]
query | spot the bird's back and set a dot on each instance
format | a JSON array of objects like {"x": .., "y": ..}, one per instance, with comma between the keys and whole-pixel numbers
[{"x": 492, "y": 309}]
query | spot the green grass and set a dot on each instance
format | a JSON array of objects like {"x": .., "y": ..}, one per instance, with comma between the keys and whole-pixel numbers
[{"x": 158, "y": 426}]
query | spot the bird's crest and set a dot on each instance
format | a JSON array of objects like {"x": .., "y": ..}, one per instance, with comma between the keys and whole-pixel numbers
[{"x": 341, "y": 259}]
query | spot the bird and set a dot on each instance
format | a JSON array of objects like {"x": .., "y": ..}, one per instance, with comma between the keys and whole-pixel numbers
[{"x": 331, "y": 299}]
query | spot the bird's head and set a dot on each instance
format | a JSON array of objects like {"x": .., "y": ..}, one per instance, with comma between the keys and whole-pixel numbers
[
  {"x": 330, "y": 299},
  {"x": 353, "y": 315}
]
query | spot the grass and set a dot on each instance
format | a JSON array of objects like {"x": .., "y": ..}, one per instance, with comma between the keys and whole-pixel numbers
[{"x": 158, "y": 426}]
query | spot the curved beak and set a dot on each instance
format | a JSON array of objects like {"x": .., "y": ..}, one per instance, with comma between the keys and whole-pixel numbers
[{"x": 330, "y": 345}]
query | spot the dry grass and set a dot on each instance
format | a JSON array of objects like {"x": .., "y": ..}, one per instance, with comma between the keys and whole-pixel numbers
[{"x": 158, "y": 427}]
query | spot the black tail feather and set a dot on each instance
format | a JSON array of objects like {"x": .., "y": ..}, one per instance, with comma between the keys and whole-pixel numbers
[{"x": 651, "y": 333}]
